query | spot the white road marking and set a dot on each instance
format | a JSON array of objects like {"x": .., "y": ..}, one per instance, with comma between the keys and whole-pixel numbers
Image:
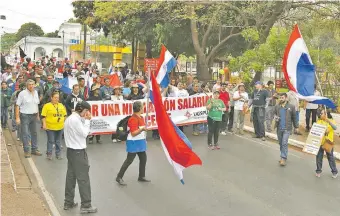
[{"x": 53, "y": 208}]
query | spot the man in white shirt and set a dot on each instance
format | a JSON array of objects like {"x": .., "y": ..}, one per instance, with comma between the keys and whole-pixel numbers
[
  {"x": 77, "y": 128},
  {"x": 240, "y": 99},
  {"x": 311, "y": 109},
  {"x": 179, "y": 91},
  {"x": 27, "y": 114}
]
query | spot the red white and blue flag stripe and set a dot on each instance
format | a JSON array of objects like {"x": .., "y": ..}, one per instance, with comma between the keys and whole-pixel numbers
[
  {"x": 176, "y": 145},
  {"x": 166, "y": 63},
  {"x": 299, "y": 70}
]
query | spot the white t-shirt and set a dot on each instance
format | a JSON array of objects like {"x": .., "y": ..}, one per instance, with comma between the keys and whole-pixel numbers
[
  {"x": 216, "y": 87},
  {"x": 238, "y": 105},
  {"x": 179, "y": 93},
  {"x": 311, "y": 105}
]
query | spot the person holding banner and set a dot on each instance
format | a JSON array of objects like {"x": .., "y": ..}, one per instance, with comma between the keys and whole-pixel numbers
[
  {"x": 106, "y": 91},
  {"x": 72, "y": 99},
  {"x": 327, "y": 144},
  {"x": 94, "y": 96},
  {"x": 135, "y": 144}
]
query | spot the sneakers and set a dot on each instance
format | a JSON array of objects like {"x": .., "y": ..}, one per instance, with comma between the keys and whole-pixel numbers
[
  {"x": 195, "y": 133},
  {"x": 217, "y": 147},
  {"x": 99, "y": 141},
  {"x": 211, "y": 147},
  {"x": 223, "y": 133},
  {"x": 88, "y": 210},
  {"x": 318, "y": 175},
  {"x": 114, "y": 140},
  {"x": 282, "y": 162},
  {"x": 49, "y": 156},
  {"x": 59, "y": 157},
  {"x": 90, "y": 141},
  {"x": 36, "y": 152},
  {"x": 67, "y": 206},
  {"x": 18, "y": 139},
  {"x": 334, "y": 175},
  {"x": 27, "y": 154},
  {"x": 120, "y": 181},
  {"x": 263, "y": 138}
]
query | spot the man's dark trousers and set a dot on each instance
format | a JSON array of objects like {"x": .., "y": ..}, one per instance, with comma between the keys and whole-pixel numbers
[
  {"x": 231, "y": 118},
  {"x": 78, "y": 171},
  {"x": 258, "y": 121}
]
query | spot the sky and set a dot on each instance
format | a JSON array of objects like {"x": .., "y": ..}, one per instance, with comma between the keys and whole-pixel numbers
[{"x": 48, "y": 14}]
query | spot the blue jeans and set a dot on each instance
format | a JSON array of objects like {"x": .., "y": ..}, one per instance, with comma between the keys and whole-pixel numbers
[
  {"x": 29, "y": 131},
  {"x": 283, "y": 136},
  {"x": 298, "y": 117},
  {"x": 54, "y": 138},
  {"x": 196, "y": 128},
  {"x": 4, "y": 116},
  {"x": 204, "y": 127},
  {"x": 331, "y": 161}
]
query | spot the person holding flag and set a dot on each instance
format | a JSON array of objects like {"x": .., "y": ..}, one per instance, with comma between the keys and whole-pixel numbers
[
  {"x": 176, "y": 145},
  {"x": 135, "y": 144}
]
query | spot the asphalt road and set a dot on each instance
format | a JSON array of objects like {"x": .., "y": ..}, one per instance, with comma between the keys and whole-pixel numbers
[{"x": 243, "y": 178}]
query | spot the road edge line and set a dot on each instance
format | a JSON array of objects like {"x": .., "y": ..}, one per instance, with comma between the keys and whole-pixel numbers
[
  {"x": 53, "y": 208},
  {"x": 291, "y": 142}
]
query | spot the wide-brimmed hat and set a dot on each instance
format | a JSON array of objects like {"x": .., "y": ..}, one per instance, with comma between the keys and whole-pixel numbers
[
  {"x": 241, "y": 84},
  {"x": 134, "y": 85}
]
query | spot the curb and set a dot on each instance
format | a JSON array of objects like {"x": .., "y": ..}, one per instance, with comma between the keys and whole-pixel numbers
[
  {"x": 291, "y": 142},
  {"x": 53, "y": 209}
]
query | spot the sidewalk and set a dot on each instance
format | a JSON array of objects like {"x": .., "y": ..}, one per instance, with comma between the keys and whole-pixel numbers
[
  {"x": 18, "y": 198},
  {"x": 295, "y": 140}
]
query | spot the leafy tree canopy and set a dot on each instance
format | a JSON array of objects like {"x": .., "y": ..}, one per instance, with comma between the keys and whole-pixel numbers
[
  {"x": 52, "y": 34},
  {"x": 29, "y": 29},
  {"x": 7, "y": 41}
]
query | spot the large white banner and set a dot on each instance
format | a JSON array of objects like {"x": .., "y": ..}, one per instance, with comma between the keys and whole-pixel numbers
[{"x": 183, "y": 111}]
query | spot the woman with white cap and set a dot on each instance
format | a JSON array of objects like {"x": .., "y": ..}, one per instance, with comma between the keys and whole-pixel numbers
[{"x": 117, "y": 94}]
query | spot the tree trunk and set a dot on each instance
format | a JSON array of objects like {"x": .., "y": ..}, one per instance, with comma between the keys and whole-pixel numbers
[
  {"x": 203, "y": 73},
  {"x": 148, "y": 45},
  {"x": 257, "y": 77}
]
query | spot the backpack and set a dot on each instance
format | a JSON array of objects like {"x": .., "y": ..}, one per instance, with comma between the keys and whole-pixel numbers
[{"x": 121, "y": 130}]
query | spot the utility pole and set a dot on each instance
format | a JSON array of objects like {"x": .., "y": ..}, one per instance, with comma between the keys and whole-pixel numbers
[
  {"x": 63, "y": 44},
  {"x": 85, "y": 34}
]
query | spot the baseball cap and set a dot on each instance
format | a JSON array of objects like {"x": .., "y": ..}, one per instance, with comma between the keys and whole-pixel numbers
[{"x": 258, "y": 83}]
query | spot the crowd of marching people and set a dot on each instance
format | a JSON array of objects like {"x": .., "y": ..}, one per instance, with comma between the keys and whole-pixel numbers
[{"x": 29, "y": 85}]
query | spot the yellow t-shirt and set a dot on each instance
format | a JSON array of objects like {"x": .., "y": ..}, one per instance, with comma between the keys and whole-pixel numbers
[
  {"x": 330, "y": 135},
  {"x": 54, "y": 116}
]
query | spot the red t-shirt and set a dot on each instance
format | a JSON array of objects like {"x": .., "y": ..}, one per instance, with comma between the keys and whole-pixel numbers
[
  {"x": 135, "y": 122},
  {"x": 224, "y": 96}
]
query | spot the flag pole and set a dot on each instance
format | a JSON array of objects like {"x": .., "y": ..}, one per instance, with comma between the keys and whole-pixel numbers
[
  {"x": 147, "y": 98},
  {"x": 319, "y": 84}
]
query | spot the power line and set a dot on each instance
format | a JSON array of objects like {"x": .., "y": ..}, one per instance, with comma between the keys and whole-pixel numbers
[{"x": 32, "y": 16}]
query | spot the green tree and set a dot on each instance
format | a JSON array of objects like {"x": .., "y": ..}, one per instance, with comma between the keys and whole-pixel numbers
[
  {"x": 209, "y": 29},
  {"x": 29, "y": 29},
  {"x": 52, "y": 34},
  {"x": 7, "y": 41}
]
